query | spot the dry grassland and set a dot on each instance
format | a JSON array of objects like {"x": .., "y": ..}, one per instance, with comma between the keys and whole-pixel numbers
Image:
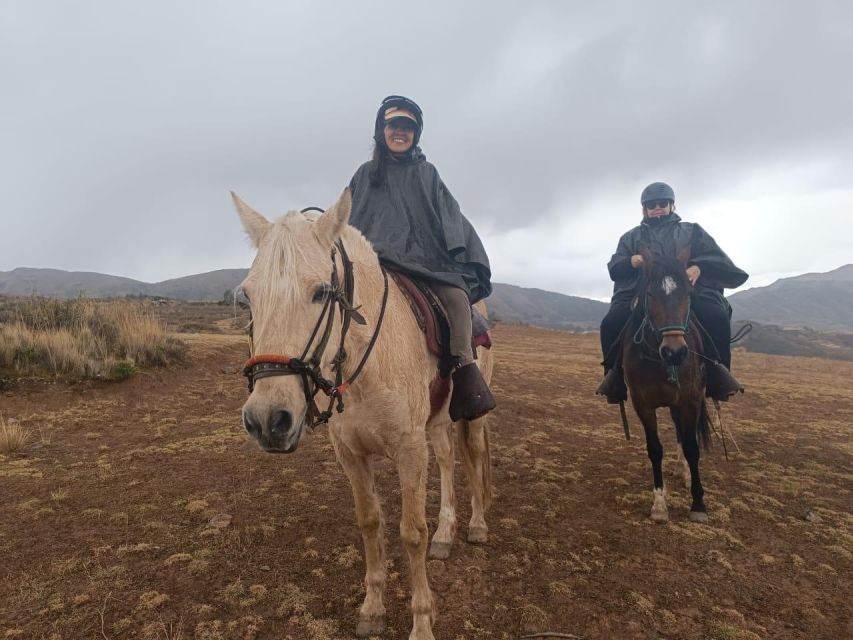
[
  {"x": 82, "y": 338},
  {"x": 139, "y": 510}
]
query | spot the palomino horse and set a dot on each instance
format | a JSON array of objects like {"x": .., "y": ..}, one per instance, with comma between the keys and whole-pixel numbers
[
  {"x": 382, "y": 370},
  {"x": 663, "y": 368}
]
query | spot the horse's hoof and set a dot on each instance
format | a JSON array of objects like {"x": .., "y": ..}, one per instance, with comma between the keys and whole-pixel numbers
[
  {"x": 660, "y": 517},
  {"x": 370, "y": 627},
  {"x": 439, "y": 550},
  {"x": 698, "y": 516},
  {"x": 478, "y": 535}
]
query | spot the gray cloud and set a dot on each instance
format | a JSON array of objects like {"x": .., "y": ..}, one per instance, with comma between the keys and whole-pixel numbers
[{"x": 125, "y": 126}]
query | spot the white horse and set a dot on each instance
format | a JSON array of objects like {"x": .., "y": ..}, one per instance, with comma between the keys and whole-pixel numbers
[{"x": 387, "y": 407}]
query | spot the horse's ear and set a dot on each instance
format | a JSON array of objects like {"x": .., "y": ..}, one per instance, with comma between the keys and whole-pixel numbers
[
  {"x": 253, "y": 222},
  {"x": 684, "y": 255},
  {"x": 331, "y": 224}
]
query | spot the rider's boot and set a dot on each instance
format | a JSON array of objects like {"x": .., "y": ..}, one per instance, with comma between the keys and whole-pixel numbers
[
  {"x": 722, "y": 385},
  {"x": 471, "y": 396},
  {"x": 613, "y": 387}
]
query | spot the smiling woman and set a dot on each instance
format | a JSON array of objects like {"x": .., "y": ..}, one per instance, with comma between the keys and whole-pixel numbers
[{"x": 416, "y": 226}]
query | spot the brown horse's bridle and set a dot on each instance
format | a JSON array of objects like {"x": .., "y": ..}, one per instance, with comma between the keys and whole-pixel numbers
[
  {"x": 339, "y": 294},
  {"x": 668, "y": 330},
  {"x": 679, "y": 330}
]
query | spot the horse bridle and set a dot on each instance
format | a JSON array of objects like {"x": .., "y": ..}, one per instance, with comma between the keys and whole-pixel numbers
[
  {"x": 661, "y": 332},
  {"x": 341, "y": 295},
  {"x": 667, "y": 330}
]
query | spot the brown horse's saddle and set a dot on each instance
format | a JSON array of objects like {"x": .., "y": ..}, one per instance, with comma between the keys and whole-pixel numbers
[{"x": 432, "y": 319}]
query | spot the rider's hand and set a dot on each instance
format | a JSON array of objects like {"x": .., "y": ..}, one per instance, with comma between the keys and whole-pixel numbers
[
  {"x": 693, "y": 274},
  {"x": 637, "y": 261}
]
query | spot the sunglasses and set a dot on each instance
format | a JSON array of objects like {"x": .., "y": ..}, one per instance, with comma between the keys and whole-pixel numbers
[
  {"x": 401, "y": 124},
  {"x": 657, "y": 204}
]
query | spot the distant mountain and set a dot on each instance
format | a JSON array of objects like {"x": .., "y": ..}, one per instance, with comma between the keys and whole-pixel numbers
[
  {"x": 70, "y": 284},
  {"x": 821, "y": 301},
  {"x": 520, "y": 305},
  {"x": 67, "y": 284},
  {"x": 508, "y": 303},
  {"x": 797, "y": 342},
  {"x": 208, "y": 286}
]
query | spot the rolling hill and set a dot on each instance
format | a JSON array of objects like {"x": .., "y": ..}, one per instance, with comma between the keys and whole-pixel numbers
[
  {"x": 820, "y": 301},
  {"x": 817, "y": 301},
  {"x": 508, "y": 303}
]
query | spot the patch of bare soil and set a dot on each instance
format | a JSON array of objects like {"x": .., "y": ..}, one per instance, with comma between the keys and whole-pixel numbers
[{"x": 139, "y": 510}]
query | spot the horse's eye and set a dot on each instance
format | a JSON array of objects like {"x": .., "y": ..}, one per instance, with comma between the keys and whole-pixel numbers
[
  {"x": 320, "y": 293},
  {"x": 241, "y": 298}
]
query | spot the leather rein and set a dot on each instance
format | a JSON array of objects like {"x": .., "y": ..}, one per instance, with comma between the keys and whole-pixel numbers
[{"x": 339, "y": 295}]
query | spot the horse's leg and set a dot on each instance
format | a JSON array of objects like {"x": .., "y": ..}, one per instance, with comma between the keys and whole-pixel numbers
[
  {"x": 654, "y": 448},
  {"x": 689, "y": 419},
  {"x": 412, "y": 467},
  {"x": 368, "y": 513},
  {"x": 680, "y": 461},
  {"x": 474, "y": 445},
  {"x": 442, "y": 445}
]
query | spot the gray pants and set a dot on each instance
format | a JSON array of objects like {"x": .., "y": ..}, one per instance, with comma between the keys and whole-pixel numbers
[{"x": 458, "y": 308}]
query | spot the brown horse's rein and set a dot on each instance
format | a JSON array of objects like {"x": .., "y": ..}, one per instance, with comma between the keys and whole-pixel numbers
[{"x": 339, "y": 295}]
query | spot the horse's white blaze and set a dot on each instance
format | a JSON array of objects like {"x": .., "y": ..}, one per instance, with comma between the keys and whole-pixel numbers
[{"x": 668, "y": 285}]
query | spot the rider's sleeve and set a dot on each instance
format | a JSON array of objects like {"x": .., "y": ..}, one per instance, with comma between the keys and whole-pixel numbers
[
  {"x": 619, "y": 266},
  {"x": 717, "y": 268}
]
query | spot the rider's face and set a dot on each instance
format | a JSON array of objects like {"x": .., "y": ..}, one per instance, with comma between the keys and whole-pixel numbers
[
  {"x": 657, "y": 208},
  {"x": 399, "y": 135}
]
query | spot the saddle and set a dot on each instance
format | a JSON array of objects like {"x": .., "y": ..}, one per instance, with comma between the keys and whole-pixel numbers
[{"x": 432, "y": 319}]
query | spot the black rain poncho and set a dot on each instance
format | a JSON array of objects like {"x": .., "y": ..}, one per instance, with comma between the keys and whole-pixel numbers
[
  {"x": 416, "y": 226},
  {"x": 669, "y": 236}
]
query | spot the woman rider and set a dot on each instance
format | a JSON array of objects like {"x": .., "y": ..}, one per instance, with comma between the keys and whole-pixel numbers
[
  {"x": 709, "y": 269},
  {"x": 403, "y": 208}
]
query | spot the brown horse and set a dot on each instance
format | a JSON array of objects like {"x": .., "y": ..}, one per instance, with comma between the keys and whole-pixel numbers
[
  {"x": 661, "y": 349},
  {"x": 326, "y": 324}
]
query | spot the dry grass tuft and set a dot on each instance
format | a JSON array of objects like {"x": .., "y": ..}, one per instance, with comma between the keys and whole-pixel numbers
[
  {"x": 13, "y": 437},
  {"x": 533, "y": 619},
  {"x": 82, "y": 338}
]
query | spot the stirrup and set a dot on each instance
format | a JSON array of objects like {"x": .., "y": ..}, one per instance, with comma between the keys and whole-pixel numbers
[{"x": 613, "y": 387}]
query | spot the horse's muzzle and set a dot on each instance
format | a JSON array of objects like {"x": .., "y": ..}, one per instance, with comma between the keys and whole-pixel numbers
[
  {"x": 274, "y": 431},
  {"x": 673, "y": 356}
]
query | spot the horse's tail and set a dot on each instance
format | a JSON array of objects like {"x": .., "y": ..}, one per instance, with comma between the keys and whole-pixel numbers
[
  {"x": 704, "y": 426},
  {"x": 468, "y": 443}
]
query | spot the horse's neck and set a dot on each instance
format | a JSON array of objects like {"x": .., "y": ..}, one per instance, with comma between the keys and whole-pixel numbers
[
  {"x": 399, "y": 331},
  {"x": 365, "y": 261}
]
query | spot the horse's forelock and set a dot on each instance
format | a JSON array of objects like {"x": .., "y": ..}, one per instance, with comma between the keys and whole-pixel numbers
[
  {"x": 283, "y": 261},
  {"x": 292, "y": 257},
  {"x": 663, "y": 266}
]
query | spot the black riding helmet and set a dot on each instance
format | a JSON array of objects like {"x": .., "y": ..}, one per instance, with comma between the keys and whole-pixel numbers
[
  {"x": 399, "y": 102},
  {"x": 657, "y": 191}
]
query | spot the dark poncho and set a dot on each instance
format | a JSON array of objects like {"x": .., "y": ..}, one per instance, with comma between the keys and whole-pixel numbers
[
  {"x": 415, "y": 225},
  {"x": 669, "y": 236}
]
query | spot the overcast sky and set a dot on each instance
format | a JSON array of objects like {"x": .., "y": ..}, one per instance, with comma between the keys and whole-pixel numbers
[{"x": 123, "y": 125}]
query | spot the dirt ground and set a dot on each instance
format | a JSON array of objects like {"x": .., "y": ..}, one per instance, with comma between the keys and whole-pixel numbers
[{"x": 115, "y": 517}]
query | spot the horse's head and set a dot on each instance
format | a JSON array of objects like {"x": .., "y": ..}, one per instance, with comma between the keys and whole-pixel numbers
[
  {"x": 666, "y": 299},
  {"x": 287, "y": 290}
]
